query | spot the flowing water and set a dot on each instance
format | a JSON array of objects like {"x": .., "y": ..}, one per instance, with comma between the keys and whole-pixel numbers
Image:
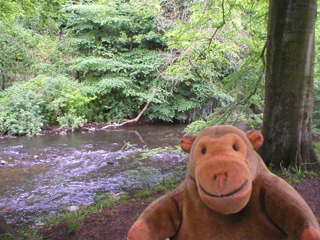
[{"x": 47, "y": 173}]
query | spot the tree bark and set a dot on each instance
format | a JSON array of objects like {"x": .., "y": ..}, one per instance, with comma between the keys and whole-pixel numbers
[{"x": 287, "y": 123}]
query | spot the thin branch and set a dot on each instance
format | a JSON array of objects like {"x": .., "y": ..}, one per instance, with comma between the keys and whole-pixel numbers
[
  {"x": 263, "y": 54},
  {"x": 230, "y": 107},
  {"x": 131, "y": 120},
  {"x": 215, "y": 31}
]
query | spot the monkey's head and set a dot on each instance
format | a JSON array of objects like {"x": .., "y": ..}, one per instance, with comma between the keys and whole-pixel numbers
[{"x": 223, "y": 162}]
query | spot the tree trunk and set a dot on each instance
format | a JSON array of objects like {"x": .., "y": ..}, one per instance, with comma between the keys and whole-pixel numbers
[{"x": 287, "y": 123}]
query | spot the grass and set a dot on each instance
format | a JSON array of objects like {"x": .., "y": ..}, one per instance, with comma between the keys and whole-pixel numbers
[
  {"x": 26, "y": 232},
  {"x": 294, "y": 175},
  {"x": 316, "y": 146},
  {"x": 166, "y": 187},
  {"x": 75, "y": 219},
  {"x": 8, "y": 236}
]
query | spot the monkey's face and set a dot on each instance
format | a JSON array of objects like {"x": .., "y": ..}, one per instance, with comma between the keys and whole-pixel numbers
[
  {"x": 222, "y": 174},
  {"x": 223, "y": 163}
]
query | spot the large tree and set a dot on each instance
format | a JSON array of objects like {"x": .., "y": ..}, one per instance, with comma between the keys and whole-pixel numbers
[{"x": 287, "y": 123}]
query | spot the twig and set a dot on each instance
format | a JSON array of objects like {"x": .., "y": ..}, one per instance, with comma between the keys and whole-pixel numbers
[
  {"x": 215, "y": 31},
  {"x": 125, "y": 144},
  {"x": 131, "y": 120}
]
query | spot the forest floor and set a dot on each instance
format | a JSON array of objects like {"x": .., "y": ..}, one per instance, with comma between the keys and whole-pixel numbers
[{"x": 113, "y": 223}]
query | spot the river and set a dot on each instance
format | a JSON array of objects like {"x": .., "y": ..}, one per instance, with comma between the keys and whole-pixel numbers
[{"x": 45, "y": 174}]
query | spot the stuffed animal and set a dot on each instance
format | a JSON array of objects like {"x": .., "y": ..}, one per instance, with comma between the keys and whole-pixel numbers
[{"x": 228, "y": 194}]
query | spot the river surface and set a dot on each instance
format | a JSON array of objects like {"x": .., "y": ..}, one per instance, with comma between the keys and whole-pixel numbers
[{"x": 45, "y": 174}]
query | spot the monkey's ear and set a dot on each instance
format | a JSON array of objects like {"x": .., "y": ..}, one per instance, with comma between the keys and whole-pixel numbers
[
  {"x": 186, "y": 142},
  {"x": 256, "y": 139}
]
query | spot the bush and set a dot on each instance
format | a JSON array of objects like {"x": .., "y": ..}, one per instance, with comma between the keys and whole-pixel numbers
[
  {"x": 43, "y": 100},
  {"x": 64, "y": 97},
  {"x": 21, "y": 111}
]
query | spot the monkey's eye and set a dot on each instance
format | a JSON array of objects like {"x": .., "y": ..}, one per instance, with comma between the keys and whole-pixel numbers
[
  {"x": 203, "y": 151},
  {"x": 235, "y": 147}
]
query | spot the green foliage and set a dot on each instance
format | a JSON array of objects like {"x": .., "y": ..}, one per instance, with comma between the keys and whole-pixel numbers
[
  {"x": 66, "y": 102},
  {"x": 316, "y": 146},
  {"x": 9, "y": 9},
  {"x": 15, "y": 59},
  {"x": 29, "y": 43},
  {"x": 71, "y": 120},
  {"x": 190, "y": 60},
  {"x": 109, "y": 27},
  {"x": 75, "y": 219},
  {"x": 142, "y": 177},
  {"x": 154, "y": 151},
  {"x": 293, "y": 175},
  {"x": 119, "y": 57},
  {"x": 120, "y": 61},
  {"x": 8, "y": 236},
  {"x": 219, "y": 55},
  {"x": 316, "y": 112},
  {"x": 21, "y": 111},
  {"x": 36, "y": 15},
  {"x": 25, "y": 54},
  {"x": 148, "y": 177},
  {"x": 233, "y": 114},
  {"x": 28, "y": 106},
  {"x": 118, "y": 50}
]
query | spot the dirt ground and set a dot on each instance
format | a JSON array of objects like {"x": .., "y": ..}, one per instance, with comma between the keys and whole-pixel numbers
[{"x": 113, "y": 223}]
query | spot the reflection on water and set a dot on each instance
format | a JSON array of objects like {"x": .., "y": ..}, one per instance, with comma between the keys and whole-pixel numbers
[{"x": 46, "y": 173}]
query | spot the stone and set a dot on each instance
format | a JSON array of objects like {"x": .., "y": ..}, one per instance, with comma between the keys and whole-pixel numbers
[
  {"x": 39, "y": 224},
  {"x": 85, "y": 205},
  {"x": 3, "y": 162},
  {"x": 73, "y": 208}
]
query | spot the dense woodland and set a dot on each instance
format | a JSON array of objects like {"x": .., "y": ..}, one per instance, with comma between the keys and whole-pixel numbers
[{"x": 71, "y": 62}]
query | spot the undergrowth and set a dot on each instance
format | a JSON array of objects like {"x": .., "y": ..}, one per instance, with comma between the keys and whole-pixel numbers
[
  {"x": 75, "y": 219},
  {"x": 293, "y": 175}
]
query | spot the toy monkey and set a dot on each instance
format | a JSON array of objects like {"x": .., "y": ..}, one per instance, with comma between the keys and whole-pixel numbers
[{"x": 228, "y": 194}]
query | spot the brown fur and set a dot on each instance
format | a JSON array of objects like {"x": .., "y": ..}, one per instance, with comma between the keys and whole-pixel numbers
[{"x": 228, "y": 194}]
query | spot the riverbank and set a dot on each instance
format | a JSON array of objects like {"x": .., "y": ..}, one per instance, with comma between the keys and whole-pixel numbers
[
  {"x": 115, "y": 221},
  {"x": 57, "y": 130},
  {"x": 45, "y": 175},
  {"x": 113, "y": 215}
]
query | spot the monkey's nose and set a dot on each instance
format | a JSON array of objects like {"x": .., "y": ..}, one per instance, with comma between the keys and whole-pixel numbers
[{"x": 220, "y": 180}]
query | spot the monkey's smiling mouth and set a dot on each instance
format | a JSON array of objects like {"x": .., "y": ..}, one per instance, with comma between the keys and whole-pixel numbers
[{"x": 225, "y": 195}]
